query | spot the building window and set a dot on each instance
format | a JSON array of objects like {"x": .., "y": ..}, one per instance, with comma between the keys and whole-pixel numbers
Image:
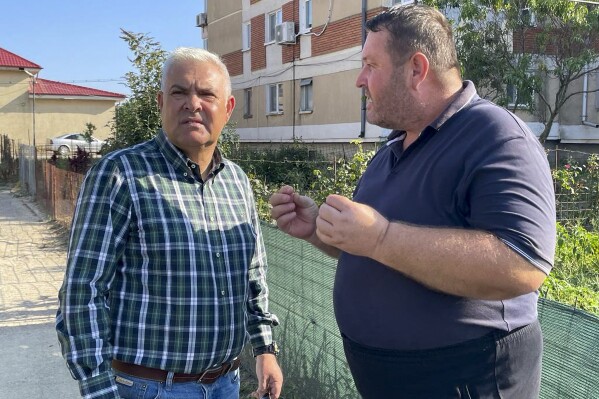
[
  {"x": 272, "y": 20},
  {"x": 306, "y": 95},
  {"x": 527, "y": 17},
  {"x": 390, "y": 3},
  {"x": 305, "y": 11},
  {"x": 247, "y": 103},
  {"x": 519, "y": 99},
  {"x": 246, "y": 36},
  {"x": 274, "y": 98}
]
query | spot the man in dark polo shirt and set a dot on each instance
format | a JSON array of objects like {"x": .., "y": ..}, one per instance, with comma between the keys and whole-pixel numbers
[{"x": 450, "y": 233}]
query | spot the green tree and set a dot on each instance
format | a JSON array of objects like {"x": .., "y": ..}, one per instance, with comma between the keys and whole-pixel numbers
[
  {"x": 138, "y": 118},
  {"x": 537, "y": 48},
  {"x": 88, "y": 133}
]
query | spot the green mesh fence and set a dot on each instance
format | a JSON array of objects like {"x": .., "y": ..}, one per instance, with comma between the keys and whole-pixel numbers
[
  {"x": 300, "y": 279},
  {"x": 570, "y": 352}
]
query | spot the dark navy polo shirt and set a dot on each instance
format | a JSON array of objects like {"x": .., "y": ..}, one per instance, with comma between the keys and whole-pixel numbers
[{"x": 476, "y": 167}]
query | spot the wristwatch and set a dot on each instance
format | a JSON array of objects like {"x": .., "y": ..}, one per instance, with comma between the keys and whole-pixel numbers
[{"x": 271, "y": 348}]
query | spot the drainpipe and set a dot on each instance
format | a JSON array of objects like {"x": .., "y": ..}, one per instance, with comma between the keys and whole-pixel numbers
[
  {"x": 363, "y": 106},
  {"x": 585, "y": 87}
]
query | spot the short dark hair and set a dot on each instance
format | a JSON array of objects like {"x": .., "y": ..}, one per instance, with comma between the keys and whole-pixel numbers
[{"x": 416, "y": 27}]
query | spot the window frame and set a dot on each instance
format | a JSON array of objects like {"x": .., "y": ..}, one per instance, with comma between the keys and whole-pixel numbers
[
  {"x": 278, "y": 94},
  {"x": 306, "y": 96},
  {"x": 511, "y": 99},
  {"x": 305, "y": 16},
  {"x": 247, "y": 103},
  {"x": 268, "y": 29},
  {"x": 246, "y": 36}
]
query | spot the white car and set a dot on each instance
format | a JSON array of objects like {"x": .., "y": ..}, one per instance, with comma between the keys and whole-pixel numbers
[{"x": 66, "y": 144}]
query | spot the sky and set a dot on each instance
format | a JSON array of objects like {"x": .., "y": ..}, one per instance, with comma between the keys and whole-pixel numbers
[{"x": 78, "y": 41}]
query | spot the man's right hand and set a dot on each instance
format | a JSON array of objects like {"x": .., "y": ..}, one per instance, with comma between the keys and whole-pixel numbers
[{"x": 295, "y": 214}]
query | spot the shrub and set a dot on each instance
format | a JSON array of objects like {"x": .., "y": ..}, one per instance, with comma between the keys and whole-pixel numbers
[
  {"x": 291, "y": 164},
  {"x": 342, "y": 177}
]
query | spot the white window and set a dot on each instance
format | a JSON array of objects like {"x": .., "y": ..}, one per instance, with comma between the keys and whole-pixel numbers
[
  {"x": 527, "y": 17},
  {"x": 390, "y": 3},
  {"x": 305, "y": 12},
  {"x": 246, "y": 36},
  {"x": 306, "y": 95},
  {"x": 519, "y": 99},
  {"x": 271, "y": 21},
  {"x": 274, "y": 98},
  {"x": 247, "y": 103}
]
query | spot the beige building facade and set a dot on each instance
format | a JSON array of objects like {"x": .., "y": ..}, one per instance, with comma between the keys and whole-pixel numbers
[
  {"x": 33, "y": 109},
  {"x": 294, "y": 63}
]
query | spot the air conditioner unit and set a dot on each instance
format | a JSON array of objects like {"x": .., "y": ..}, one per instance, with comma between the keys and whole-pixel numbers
[
  {"x": 201, "y": 20},
  {"x": 285, "y": 33}
]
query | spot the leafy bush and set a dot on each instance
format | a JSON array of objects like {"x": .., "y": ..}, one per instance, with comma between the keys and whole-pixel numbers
[
  {"x": 291, "y": 164},
  {"x": 577, "y": 256},
  {"x": 562, "y": 291},
  {"x": 81, "y": 162},
  {"x": 577, "y": 192},
  {"x": 574, "y": 279},
  {"x": 342, "y": 177}
]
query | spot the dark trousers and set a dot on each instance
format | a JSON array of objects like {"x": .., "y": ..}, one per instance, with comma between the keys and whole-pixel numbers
[{"x": 498, "y": 365}]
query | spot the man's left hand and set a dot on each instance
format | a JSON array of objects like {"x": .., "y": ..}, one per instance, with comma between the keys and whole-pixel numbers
[
  {"x": 350, "y": 226},
  {"x": 270, "y": 377}
]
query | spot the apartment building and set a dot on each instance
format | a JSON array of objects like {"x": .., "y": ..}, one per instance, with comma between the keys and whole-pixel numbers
[{"x": 293, "y": 65}]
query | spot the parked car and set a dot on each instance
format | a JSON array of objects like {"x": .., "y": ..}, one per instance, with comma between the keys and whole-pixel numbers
[{"x": 66, "y": 144}]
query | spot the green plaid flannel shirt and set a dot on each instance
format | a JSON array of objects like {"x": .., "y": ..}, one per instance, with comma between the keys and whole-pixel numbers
[{"x": 163, "y": 270}]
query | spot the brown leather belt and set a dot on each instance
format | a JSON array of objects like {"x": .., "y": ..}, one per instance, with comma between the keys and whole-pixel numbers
[{"x": 148, "y": 373}]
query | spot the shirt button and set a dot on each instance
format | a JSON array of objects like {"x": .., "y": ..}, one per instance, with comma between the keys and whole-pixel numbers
[
  {"x": 218, "y": 254},
  {"x": 185, "y": 174},
  {"x": 212, "y": 218},
  {"x": 222, "y": 292},
  {"x": 193, "y": 166}
]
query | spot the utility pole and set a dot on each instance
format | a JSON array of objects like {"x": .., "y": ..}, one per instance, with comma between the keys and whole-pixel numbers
[
  {"x": 32, "y": 166},
  {"x": 33, "y": 82}
]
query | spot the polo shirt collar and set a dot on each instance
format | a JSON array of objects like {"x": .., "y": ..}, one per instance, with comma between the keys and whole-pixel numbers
[{"x": 464, "y": 97}]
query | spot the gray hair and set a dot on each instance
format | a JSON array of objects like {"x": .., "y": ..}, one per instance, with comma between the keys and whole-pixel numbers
[
  {"x": 195, "y": 54},
  {"x": 416, "y": 27}
]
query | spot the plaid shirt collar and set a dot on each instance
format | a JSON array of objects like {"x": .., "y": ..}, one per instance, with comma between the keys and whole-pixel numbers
[{"x": 178, "y": 159}]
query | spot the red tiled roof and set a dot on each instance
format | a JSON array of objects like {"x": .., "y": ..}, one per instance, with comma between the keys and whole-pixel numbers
[
  {"x": 8, "y": 59},
  {"x": 52, "y": 88}
]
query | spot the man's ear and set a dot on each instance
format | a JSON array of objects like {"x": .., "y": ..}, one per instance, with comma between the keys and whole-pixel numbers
[
  {"x": 159, "y": 97},
  {"x": 419, "y": 67},
  {"x": 230, "y": 106}
]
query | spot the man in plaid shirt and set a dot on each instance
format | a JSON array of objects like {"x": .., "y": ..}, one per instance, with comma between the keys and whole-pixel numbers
[{"x": 166, "y": 270}]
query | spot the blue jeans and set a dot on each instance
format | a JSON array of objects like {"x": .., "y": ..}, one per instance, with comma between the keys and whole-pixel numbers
[{"x": 226, "y": 387}]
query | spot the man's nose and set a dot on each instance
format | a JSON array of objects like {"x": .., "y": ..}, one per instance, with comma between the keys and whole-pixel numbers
[
  {"x": 360, "y": 80},
  {"x": 193, "y": 103}
]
